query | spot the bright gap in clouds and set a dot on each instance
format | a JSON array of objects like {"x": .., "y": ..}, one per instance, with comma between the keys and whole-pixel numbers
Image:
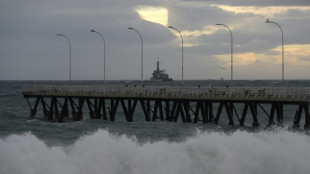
[
  {"x": 153, "y": 14},
  {"x": 267, "y": 11},
  {"x": 296, "y": 57},
  {"x": 294, "y": 54}
]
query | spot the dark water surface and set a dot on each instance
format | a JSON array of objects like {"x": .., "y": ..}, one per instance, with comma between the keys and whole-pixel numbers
[{"x": 98, "y": 146}]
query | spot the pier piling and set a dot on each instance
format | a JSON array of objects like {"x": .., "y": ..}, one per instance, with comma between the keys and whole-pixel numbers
[{"x": 192, "y": 104}]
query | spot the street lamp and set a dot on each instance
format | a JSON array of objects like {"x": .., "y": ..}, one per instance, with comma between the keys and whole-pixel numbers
[
  {"x": 268, "y": 21},
  {"x": 231, "y": 54},
  {"x": 182, "y": 51},
  {"x": 130, "y": 28},
  {"x": 103, "y": 53},
  {"x": 69, "y": 53}
]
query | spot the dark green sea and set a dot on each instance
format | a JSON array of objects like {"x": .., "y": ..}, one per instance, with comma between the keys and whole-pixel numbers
[{"x": 34, "y": 146}]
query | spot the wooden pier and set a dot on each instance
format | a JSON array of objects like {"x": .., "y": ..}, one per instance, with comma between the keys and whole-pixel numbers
[{"x": 168, "y": 103}]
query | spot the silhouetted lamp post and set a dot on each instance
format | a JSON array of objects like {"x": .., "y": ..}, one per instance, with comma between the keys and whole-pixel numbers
[
  {"x": 268, "y": 21},
  {"x": 69, "y": 53},
  {"x": 103, "y": 53},
  {"x": 182, "y": 51},
  {"x": 231, "y": 53},
  {"x": 130, "y": 28}
]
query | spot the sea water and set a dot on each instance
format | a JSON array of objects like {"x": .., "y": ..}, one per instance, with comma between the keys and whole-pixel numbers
[{"x": 30, "y": 146}]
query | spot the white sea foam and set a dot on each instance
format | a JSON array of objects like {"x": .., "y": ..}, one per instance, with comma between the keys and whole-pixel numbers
[{"x": 281, "y": 152}]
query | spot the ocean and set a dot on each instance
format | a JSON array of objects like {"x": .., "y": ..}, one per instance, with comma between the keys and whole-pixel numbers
[{"x": 34, "y": 146}]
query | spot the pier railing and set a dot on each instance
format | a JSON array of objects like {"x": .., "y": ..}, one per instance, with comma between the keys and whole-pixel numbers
[{"x": 285, "y": 94}]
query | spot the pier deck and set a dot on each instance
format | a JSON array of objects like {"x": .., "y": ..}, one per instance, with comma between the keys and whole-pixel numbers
[{"x": 193, "y": 104}]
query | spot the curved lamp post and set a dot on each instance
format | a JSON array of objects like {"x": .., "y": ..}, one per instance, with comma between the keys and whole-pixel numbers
[
  {"x": 130, "y": 28},
  {"x": 69, "y": 53},
  {"x": 103, "y": 53},
  {"x": 231, "y": 54},
  {"x": 182, "y": 51},
  {"x": 268, "y": 21}
]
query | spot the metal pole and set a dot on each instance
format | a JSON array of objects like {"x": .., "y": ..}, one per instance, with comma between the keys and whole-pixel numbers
[
  {"x": 69, "y": 53},
  {"x": 103, "y": 53},
  {"x": 268, "y": 21},
  {"x": 231, "y": 54},
  {"x": 130, "y": 28},
  {"x": 182, "y": 51}
]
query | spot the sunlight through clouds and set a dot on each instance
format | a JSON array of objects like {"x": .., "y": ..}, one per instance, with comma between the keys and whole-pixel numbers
[
  {"x": 240, "y": 59},
  {"x": 295, "y": 55},
  {"x": 153, "y": 14},
  {"x": 206, "y": 30},
  {"x": 266, "y": 11}
]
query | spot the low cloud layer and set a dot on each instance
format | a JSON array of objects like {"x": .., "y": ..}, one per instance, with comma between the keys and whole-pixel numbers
[{"x": 30, "y": 49}]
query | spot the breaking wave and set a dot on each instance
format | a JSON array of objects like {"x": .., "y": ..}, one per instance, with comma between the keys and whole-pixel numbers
[{"x": 241, "y": 152}]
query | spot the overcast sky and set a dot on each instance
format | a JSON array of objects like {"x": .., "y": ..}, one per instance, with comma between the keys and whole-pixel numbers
[{"x": 30, "y": 49}]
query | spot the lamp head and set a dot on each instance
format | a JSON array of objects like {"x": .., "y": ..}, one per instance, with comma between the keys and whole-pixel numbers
[
  {"x": 218, "y": 24},
  {"x": 92, "y": 30},
  {"x": 267, "y": 21},
  {"x": 170, "y": 27},
  {"x": 130, "y": 28}
]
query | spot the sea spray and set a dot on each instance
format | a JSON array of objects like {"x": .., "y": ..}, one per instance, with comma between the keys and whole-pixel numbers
[{"x": 282, "y": 152}]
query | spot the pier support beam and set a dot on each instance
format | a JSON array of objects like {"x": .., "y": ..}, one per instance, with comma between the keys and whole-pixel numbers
[
  {"x": 272, "y": 112},
  {"x": 146, "y": 109},
  {"x": 187, "y": 107},
  {"x": 79, "y": 114},
  {"x": 72, "y": 104},
  {"x": 129, "y": 109},
  {"x": 177, "y": 109},
  {"x": 279, "y": 110},
  {"x": 297, "y": 118},
  {"x": 218, "y": 113},
  {"x": 209, "y": 111},
  {"x": 200, "y": 109},
  {"x": 56, "y": 111},
  {"x": 244, "y": 112},
  {"x": 64, "y": 111},
  {"x": 307, "y": 116},
  {"x": 34, "y": 109},
  {"x": 114, "y": 105},
  {"x": 228, "y": 111},
  {"x": 97, "y": 108},
  {"x": 172, "y": 112},
  {"x": 44, "y": 106},
  {"x": 103, "y": 107},
  {"x": 90, "y": 108},
  {"x": 158, "y": 107},
  {"x": 167, "y": 109},
  {"x": 253, "y": 108},
  {"x": 50, "y": 112}
]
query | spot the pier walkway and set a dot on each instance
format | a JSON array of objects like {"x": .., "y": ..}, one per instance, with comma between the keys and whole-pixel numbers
[{"x": 192, "y": 104}]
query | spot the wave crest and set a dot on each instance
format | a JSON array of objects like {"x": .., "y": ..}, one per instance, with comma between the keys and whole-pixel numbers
[{"x": 239, "y": 152}]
